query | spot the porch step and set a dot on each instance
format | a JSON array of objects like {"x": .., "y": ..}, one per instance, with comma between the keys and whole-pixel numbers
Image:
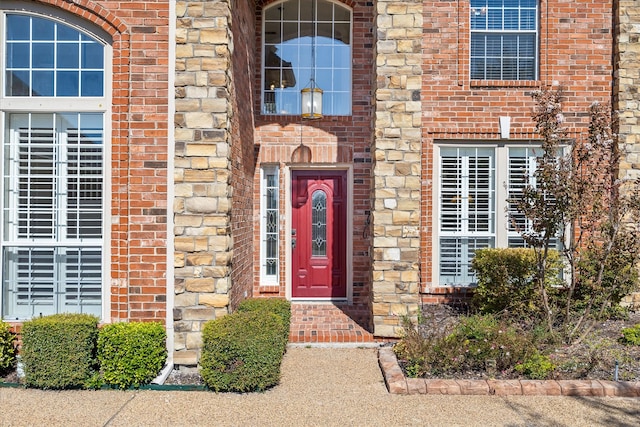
[{"x": 329, "y": 323}]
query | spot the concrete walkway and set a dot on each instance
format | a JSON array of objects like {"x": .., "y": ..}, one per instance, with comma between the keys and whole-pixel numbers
[{"x": 320, "y": 387}]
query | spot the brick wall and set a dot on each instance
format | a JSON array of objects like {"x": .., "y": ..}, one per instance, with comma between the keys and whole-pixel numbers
[
  {"x": 575, "y": 52},
  {"x": 138, "y": 146},
  {"x": 243, "y": 163}
]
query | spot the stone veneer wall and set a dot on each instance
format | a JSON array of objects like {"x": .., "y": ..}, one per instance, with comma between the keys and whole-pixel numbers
[
  {"x": 626, "y": 94},
  {"x": 202, "y": 201},
  {"x": 627, "y": 85},
  {"x": 397, "y": 168}
]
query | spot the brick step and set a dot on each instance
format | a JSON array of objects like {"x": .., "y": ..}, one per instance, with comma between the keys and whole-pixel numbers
[{"x": 329, "y": 323}]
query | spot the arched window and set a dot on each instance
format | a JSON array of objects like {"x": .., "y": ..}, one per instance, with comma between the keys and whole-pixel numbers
[
  {"x": 53, "y": 100},
  {"x": 295, "y": 31}
]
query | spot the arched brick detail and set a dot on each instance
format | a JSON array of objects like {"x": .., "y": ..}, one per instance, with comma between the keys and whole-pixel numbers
[
  {"x": 91, "y": 11},
  {"x": 263, "y": 3}
]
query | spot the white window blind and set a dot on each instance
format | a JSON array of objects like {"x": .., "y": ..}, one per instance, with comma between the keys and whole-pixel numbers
[
  {"x": 477, "y": 190},
  {"x": 53, "y": 214},
  {"x": 504, "y": 39},
  {"x": 467, "y": 210}
]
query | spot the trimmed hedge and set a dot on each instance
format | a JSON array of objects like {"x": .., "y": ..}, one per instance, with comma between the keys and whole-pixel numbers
[
  {"x": 59, "y": 351},
  {"x": 131, "y": 354},
  {"x": 506, "y": 280},
  {"x": 7, "y": 348},
  {"x": 243, "y": 351},
  {"x": 277, "y": 306}
]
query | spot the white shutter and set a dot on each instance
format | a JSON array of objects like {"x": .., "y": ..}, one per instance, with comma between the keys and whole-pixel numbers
[
  {"x": 522, "y": 166},
  {"x": 53, "y": 207},
  {"x": 467, "y": 210}
]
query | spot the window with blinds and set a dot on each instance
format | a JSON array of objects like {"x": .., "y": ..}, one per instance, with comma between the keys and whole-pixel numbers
[
  {"x": 467, "y": 209},
  {"x": 53, "y": 164},
  {"x": 504, "y": 39},
  {"x": 53, "y": 214},
  {"x": 476, "y": 190}
]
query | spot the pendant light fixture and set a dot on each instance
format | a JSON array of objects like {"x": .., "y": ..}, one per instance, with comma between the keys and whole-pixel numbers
[{"x": 311, "y": 95}]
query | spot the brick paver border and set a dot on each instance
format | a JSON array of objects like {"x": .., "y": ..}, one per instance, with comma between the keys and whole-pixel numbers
[{"x": 397, "y": 383}]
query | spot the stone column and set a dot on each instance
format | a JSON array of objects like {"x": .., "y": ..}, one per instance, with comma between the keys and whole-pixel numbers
[
  {"x": 396, "y": 169},
  {"x": 627, "y": 85},
  {"x": 626, "y": 96},
  {"x": 202, "y": 172}
]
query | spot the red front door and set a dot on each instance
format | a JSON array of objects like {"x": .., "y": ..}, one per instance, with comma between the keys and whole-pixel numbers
[{"x": 319, "y": 234}]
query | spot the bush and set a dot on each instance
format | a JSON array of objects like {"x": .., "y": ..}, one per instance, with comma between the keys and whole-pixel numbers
[
  {"x": 131, "y": 354},
  {"x": 59, "y": 351},
  {"x": 242, "y": 351},
  {"x": 280, "y": 307},
  {"x": 631, "y": 335},
  {"x": 506, "y": 281},
  {"x": 7, "y": 348},
  {"x": 536, "y": 367}
]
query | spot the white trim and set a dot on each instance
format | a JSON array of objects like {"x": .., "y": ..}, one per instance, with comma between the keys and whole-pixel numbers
[
  {"x": 264, "y": 279},
  {"x": 171, "y": 143},
  {"x": 288, "y": 212}
]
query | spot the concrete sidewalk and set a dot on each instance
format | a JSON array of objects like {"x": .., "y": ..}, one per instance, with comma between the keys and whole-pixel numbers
[{"x": 319, "y": 387}]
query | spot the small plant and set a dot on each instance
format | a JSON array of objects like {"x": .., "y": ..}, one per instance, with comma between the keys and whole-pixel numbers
[
  {"x": 7, "y": 348},
  {"x": 631, "y": 336},
  {"x": 131, "y": 354},
  {"x": 479, "y": 338},
  {"x": 536, "y": 367},
  {"x": 59, "y": 351},
  {"x": 242, "y": 351}
]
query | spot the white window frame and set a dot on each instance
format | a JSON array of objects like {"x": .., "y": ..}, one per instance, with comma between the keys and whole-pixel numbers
[
  {"x": 484, "y": 11},
  {"x": 501, "y": 232},
  {"x": 51, "y": 105},
  {"x": 301, "y": 83},
  {"x": 265, "y": 278}
]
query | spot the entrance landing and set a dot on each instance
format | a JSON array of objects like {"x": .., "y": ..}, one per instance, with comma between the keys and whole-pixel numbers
[{"x": 319, "y": 323}]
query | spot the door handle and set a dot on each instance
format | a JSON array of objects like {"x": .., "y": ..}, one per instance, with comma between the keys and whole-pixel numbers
[{"x": 293, "y": 243}]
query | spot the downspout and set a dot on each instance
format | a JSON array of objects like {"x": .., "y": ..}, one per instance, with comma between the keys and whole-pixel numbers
[{"x": 170, "y": 294}]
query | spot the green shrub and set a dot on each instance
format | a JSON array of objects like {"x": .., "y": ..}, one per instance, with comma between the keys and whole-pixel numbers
[
  {"x": 243, "y": 351},
  {"x": 506, "y": 281},
  {"x": 131, "y": 354},
  {"x": 536, "y": 367},
  {"x": 59, "y": 351},
  {"x": 7, "y": 348},
  {"x": 280, "y": 307},
  {"x": 631, "y": 335},
  {"x": 619, "y": 279}
]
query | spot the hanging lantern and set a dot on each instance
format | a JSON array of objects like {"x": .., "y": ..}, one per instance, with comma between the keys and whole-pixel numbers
[{"x": 311, "y": 102}]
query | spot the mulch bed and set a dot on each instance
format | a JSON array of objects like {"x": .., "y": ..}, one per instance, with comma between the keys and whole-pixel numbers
[{"x": 593, "y": 358}]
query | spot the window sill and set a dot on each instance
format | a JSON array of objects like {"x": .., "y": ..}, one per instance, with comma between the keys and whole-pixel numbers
[
  {"x": 296, "y": 118},
  {"x": 506, "y": 83}
]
